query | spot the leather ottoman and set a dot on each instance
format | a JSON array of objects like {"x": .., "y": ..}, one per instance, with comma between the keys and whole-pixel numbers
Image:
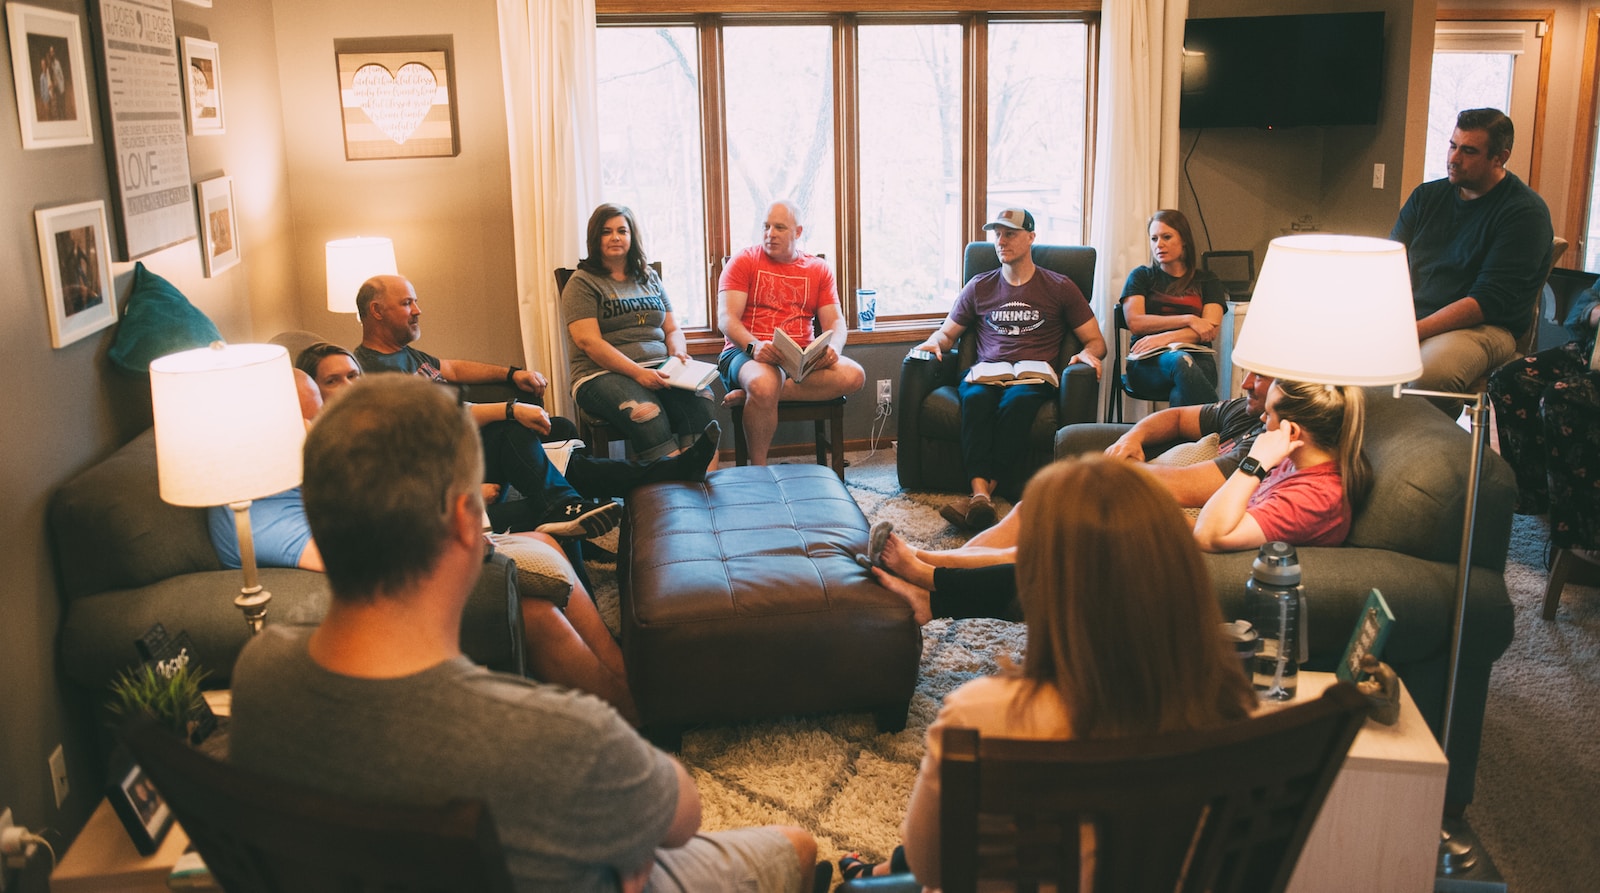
[{"x": 741, "y": 600}]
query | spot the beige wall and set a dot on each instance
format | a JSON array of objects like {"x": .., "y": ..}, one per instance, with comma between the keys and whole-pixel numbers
[
  {"x": 64, "y": 409},
  {"x": 450, "y": 218}
]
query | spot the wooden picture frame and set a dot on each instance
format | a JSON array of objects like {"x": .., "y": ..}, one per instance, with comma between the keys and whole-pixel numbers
[
  {"x": 75, "y": 254},
  {"x": 397, "y": 97},
  {"x": 219, "y": 224},
  {"x": 134, "y": 798},
  {"x": 51, "y": 80},
  {"x": 142, "y": 108},
  {"x": 202, "y": 65}
]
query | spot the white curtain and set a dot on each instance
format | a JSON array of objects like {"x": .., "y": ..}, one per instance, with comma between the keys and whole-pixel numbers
[
  {"x": 1136, "y": 140},
  {"x": 548, "y": 53}
]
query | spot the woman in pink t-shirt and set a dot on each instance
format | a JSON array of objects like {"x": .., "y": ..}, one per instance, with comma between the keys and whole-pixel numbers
[{"x": 1302, "y": 478}]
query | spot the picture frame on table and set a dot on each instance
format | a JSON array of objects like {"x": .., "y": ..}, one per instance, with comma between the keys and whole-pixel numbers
[
  {"x": 50, "y": 78},
  {"x": 397, "y": 97},
  {"x": 134, "y": 798},
  {"x": 75, "y": 254},
  {"x": 219, "y": 224},
  {"x": 202, "y": 65},
  {"x": 1369, "y": 636}
]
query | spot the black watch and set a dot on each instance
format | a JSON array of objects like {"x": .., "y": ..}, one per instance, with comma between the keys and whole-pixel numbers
[
  {"x": 750, "y": 350},
  {"x": 511, "y": 410},
  {"x": 1252, "y": 465}
]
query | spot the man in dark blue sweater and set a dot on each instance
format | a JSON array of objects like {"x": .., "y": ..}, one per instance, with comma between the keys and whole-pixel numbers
[{"x": 1478, "y": 243}]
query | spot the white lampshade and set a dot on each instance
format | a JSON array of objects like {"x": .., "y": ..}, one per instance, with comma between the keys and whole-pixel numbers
[
  {"x": 352, "y": 262},
  {"x": 228, "y": 424},
  {"x": 1332, "y": 310}
]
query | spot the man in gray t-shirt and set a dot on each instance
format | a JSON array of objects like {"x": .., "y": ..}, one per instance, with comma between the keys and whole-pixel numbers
[{"x": 378, "y": 703}]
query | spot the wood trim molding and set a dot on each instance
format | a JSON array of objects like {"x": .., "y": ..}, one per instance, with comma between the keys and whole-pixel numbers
[
  {"x": 780, "y": 7},
  {"x": 1575, "y": 229}
]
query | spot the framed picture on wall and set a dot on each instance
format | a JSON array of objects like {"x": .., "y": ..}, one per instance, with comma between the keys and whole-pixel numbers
[
  {"x": 51, "y": 80},
  {"x": 75, "y": 253},
  {"x": 202, "y": 66},
  {"x": 397, "y": 97},
  {"x": 219, "y": 225}
]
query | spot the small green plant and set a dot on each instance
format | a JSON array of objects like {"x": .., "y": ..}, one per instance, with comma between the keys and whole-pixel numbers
[{"x": 168, "y": 690}]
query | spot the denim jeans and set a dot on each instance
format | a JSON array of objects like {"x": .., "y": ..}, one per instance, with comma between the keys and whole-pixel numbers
[
  {"x": 681, "y": 415},
  {"x": 1178, "y": 377},
  {"x": 995, "y": 422}
]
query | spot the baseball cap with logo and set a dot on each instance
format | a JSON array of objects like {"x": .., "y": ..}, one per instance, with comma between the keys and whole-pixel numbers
[{"x": 1012, "y": 218}]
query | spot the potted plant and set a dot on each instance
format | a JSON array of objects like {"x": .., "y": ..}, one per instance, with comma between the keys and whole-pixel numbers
[{"x": 168, "y": 690}]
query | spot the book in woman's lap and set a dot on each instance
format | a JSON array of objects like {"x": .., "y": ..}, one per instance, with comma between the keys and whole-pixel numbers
[{"x": 1020, "y": 372}]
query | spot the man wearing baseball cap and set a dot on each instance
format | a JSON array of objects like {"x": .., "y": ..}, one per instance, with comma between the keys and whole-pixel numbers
[{"x": 1021, "y": 312}]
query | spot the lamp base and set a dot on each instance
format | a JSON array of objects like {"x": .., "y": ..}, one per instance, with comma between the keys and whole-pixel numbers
[
  {"x": 1464, "y": 864},
  {"x": 254, "y": 607}
]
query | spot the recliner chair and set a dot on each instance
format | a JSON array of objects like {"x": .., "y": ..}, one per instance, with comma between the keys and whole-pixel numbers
[{"x": 929, "y": 430}]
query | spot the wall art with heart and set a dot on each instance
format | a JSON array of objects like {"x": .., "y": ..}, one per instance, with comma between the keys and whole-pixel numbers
[{"x": 397, "y": 95}]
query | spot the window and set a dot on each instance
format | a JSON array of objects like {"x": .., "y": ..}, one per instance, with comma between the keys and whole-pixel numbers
[
  {"x": 865, "y": 120},
  {"x": 1485, "y": 64}
]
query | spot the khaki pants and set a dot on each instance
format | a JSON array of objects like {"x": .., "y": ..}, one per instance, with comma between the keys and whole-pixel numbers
[{"x": 1455, "y": 360}]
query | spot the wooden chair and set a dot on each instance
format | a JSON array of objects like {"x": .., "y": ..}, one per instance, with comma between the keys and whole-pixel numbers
[
  {"x": 262, "y": 835},
  {"x": 1225, "y": 810},
  {"x": 826, "y": 417},
  {"x": 597, "y": 433},
  {"x": 1121, "y": 341},
  {"x": 1528, "y": 341}
]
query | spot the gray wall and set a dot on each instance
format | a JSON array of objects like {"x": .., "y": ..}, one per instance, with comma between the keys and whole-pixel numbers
[{"x": 64, "y": 409}]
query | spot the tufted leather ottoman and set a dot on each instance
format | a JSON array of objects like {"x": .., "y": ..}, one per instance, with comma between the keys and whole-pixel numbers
[{"x": 741, "y": 600}]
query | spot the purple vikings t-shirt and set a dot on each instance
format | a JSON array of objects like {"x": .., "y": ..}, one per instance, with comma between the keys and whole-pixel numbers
[{"x": 1025, "y": 322}]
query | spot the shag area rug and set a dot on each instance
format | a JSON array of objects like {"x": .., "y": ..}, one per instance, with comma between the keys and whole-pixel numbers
[{"x": 1538, "y": 776}]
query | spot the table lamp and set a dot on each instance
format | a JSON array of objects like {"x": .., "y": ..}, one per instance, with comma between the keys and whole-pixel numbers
[
  {"x": 228, "y": 431},
  {"x": 1338, "y": 310},
  {"x": 352, "y": 262}
]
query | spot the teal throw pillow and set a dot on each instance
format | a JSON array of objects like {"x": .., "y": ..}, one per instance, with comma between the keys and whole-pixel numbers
[{"x": 159, "y": 320}]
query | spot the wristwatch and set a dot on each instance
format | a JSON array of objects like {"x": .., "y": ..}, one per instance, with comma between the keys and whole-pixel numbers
[
  {"x": 750, "y": 350},
  {"x": 511, "y": 410},
  {"x": 1252, "y": 465}
]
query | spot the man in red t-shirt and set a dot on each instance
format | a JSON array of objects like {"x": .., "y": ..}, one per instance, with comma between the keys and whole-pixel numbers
[{"x": 774, "y": 286}]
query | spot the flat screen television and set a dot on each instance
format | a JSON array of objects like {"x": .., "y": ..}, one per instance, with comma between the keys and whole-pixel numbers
[{"x": 1282, "y": 71}]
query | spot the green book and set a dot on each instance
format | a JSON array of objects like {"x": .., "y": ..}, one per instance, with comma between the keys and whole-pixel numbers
[{"x": 1372, "y": 630}]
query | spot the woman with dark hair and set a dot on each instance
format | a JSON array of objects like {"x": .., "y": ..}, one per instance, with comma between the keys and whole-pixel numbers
[
  {"x": 1167, "y": 304},
  {"x": 1124, "y": 636},
  {"x": 620, "y": 331}
]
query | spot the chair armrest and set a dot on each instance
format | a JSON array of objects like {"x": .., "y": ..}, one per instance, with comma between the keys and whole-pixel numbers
[
  {"x": 1079, "y": 399},
  {"x": 491, "y": 623},
  {"x": 920, "y": 375}
]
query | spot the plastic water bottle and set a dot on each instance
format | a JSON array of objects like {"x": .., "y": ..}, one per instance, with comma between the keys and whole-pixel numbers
[
  {"x": 1275, "y": 602},
  {"x": 866, "y": 309}
]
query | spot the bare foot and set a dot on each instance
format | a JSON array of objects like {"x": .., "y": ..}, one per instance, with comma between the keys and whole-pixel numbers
[
  {"x": 915, "y": 596},
  {"x": 734, "y": 397},
  {"x": 900, "y": 558}
]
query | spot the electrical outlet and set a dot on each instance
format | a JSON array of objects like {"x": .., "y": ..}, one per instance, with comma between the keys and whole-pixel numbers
[
  {"x": 885, "y": 395},
  {"x": 1377, "y": 176},
  {"x": 58, "y": 775}
]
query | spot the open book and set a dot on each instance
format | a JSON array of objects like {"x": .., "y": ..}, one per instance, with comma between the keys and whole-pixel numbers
[
  {"x": 1020, "y": 372},
  {"x": 1176, "y": 345},
  {"x": 694, "y": 375},
  {"x": 794, "y": 359}
]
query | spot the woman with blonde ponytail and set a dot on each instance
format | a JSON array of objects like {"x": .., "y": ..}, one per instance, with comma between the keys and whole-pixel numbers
[{"x": 1303, "y": 477}]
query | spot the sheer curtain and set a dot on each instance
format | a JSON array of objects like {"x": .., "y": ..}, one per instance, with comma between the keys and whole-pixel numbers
[
  {"x": 548, "y": 53},
  {"x": 1136, "y": 140}
]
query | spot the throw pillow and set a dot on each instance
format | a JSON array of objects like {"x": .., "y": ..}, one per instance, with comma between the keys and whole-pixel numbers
[
  {"x": 159, "y": 320},
  {"x": 542, "y": 572},
  {"x": 1201, "y": 450}
]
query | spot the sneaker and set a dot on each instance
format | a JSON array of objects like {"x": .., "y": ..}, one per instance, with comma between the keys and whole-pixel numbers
[{"x": 582, "y": 518}]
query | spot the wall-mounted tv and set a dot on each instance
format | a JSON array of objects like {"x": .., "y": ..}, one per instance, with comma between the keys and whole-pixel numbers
[{"x": 1282, "y": 71}]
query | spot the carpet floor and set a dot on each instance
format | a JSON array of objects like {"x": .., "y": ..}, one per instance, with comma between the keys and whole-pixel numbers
[{"x": 836, "y": 776}]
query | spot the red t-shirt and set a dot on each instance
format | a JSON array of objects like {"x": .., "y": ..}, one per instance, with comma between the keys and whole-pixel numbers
[
  {"x": 779, "y": 296},
  {"x": 1302, "y": 507}
]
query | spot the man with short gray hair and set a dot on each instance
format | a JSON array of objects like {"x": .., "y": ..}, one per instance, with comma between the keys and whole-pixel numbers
[{"x": 378, "y": 703}]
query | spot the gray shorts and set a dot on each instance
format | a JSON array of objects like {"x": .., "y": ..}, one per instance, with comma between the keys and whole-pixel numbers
[{"x": 745, "y": 860}]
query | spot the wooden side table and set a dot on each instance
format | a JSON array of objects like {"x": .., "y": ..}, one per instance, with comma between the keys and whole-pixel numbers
[
  {"x": 1379, "y": 828},
  {"x": 102, "y": 859}
]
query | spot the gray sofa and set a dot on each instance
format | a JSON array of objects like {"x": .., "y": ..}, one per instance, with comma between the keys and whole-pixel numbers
[
  {"x": 1404, "y": 542},
  {"x": 127, "y": 560}
]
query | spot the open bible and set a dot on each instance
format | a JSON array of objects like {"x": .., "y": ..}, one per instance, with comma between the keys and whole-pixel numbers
[
  {"x": 1020, "y": 372},
  {"x": 796, "y": 360},
  {"x": 1176, "y": 345},
  {"x": 695, "y": 375}
]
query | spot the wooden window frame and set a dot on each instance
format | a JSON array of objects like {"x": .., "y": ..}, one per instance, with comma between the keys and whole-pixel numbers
[{"x": 1583, "y": 148}]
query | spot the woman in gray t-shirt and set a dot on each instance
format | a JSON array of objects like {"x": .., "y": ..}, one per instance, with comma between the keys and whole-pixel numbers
[{"x": 619, "y": 330}]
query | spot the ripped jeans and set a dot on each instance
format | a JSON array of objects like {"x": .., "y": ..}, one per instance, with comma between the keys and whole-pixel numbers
[{"x": 656, "y": 423}]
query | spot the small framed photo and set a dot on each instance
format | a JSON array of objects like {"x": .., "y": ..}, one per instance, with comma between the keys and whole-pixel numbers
[
  {"x": 51, "y": 80},
  {"x": 137, "y": 802},
  {"x": 75, "y": 252},
  {"x": 397, "y": 97},
  {"x": 219, "y": 225},
  {"x": 202, "y": 65}
]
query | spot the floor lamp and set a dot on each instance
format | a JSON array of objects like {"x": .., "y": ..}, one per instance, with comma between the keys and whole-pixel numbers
[
  {"x": 228, "y": 431},
  {"x": 1338, "y": 310}
]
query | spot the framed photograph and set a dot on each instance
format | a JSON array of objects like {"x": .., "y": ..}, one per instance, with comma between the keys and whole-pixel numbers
[
  {"x": 51, "y": 80},
  {"x": 137, "y": 802},
  {"x": 219, "y": 225},
  {"x": 202, "y": 66},
  {"x": 75, "y": 252},
  {"x": 397, "y": 97},
  {"x": 1371, "y": 632},
  {"x": 142, "y": 109}
]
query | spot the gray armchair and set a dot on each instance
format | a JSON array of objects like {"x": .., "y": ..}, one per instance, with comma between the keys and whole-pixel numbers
[{"x": 929, "y": 431}]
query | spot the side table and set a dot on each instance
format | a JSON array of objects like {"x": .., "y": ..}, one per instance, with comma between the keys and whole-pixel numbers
[{"x": 102, "y": 859}]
